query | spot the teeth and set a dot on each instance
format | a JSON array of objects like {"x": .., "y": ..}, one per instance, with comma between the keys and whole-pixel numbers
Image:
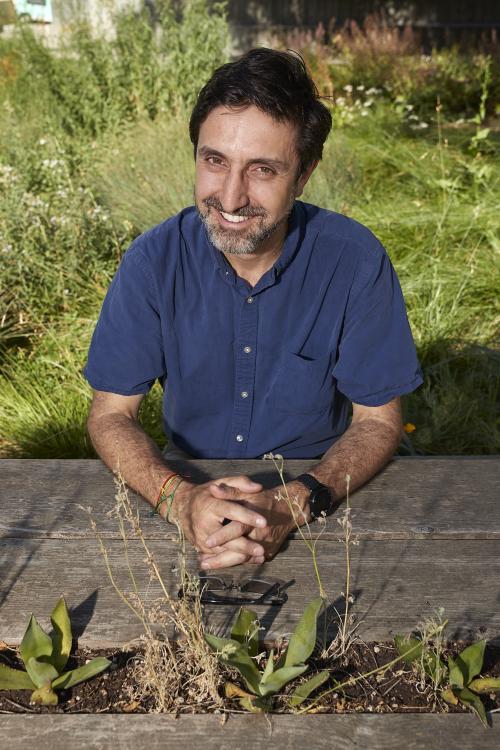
[{"x": 233, "y": 218}]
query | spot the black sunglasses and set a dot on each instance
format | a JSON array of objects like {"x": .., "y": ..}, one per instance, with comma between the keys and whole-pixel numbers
[{"x": 220, "y": 590}]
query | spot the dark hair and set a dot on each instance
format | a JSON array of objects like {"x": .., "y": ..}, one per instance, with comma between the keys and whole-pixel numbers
[{"x": 279, "y": 85}]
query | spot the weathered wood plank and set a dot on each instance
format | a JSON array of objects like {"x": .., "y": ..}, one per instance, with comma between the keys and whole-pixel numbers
[
  {"x": 395, "y": 586},
  {"x": 447, "y": 497},
  {"x": 204, "y": 732}
]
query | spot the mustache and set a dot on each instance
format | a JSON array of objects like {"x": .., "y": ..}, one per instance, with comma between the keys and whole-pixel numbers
[{"x": 212, "y": 202}]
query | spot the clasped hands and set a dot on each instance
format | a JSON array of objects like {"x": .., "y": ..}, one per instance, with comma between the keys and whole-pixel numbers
[{"x": 234, "y": 520}]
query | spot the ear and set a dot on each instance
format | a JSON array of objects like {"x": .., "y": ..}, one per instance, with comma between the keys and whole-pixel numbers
[{"x": 304, "y": 177}]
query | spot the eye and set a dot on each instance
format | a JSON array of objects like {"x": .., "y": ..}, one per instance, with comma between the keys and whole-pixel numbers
[
  {"x": 215, "y": 160},
  {"x": 264, "y": 171}
]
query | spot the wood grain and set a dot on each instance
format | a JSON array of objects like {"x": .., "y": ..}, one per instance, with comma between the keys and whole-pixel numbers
[
  {"x": 395, "y": 585},
  {"x": 448, "y": 498},
  {"x": 199, "y": 732}
]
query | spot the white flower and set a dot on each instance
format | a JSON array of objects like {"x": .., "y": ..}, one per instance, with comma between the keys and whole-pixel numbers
[
  {"x": 348, "y": 88},
  {"x": 42, "y": 142},
  {"x": 360, "y": 88}
]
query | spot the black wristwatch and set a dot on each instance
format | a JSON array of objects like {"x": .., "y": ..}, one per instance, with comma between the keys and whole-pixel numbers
[{"x": 320, "y": 499}]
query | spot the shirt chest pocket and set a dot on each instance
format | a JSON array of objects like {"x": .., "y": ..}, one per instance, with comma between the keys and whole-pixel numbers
[{"x": 302, "y": 385}]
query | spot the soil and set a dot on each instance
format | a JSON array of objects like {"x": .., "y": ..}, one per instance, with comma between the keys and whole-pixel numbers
[{"x": 399, "y": 690}]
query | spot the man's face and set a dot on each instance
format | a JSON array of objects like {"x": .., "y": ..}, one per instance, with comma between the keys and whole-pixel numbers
[{"x": 246, "y": 179}]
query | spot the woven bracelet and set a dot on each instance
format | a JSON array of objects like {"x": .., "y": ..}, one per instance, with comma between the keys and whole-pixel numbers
[{"x": 162, "y": 496}]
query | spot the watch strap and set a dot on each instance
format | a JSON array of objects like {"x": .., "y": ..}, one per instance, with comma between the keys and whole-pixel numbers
[{"x": 309, "y": 481}]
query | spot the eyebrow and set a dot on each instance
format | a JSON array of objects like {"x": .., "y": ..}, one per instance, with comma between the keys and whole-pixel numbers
[{"x": 275, "y": 163}]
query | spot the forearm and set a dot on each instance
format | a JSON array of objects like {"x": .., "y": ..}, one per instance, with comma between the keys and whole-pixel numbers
[
  {"x": 363, "y": 450},
  {"x": 124, "y": 447}
]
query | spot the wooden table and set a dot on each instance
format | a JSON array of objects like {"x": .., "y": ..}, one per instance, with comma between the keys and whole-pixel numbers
[{"x": 429, "y": 537}]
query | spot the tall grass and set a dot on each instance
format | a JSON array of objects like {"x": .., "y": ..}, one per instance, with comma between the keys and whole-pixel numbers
[{"x": 78, "y": 182}]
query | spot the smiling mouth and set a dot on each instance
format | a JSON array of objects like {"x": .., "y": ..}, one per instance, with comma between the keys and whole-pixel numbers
[{"x": 234, "y": 218}]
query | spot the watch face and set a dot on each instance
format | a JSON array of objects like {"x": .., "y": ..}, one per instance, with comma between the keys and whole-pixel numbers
[{"x": 320, "y": 501}]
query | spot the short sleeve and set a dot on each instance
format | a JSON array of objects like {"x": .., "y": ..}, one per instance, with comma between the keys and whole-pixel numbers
[
  {"x": 377, "y": 360},
  {"x": 126, "y": 353}
]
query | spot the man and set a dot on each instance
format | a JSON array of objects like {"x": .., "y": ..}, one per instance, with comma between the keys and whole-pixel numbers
[{"x": 264, "y": 317}]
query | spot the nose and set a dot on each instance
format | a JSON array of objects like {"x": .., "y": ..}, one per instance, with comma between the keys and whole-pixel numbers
[{"x": 234, "y": 193}]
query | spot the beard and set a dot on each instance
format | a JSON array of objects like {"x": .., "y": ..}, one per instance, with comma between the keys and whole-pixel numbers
[{"x": 240, "y": 241}]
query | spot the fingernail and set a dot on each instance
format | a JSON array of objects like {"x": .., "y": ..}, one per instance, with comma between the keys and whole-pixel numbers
[
  {"x": 210, "y": 543},
  {"x": 205, "y": 565},
  {"x": 257, "y": 552},
  {"x": 261, "y": 522}
]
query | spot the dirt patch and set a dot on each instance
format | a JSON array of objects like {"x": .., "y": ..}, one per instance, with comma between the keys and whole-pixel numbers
[{"x": 397, "y": 690}]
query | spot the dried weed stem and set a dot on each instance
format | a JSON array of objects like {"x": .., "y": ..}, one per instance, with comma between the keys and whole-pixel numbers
[{"x": 170, "y": 673}]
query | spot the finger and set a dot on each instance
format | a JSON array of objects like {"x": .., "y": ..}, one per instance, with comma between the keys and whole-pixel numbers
[
  {"x": 225, "y": 559},
  {"x": 242, "y": 482},
  {"x": 237, "y": 512},
  {"x": 229, "y": 531},
  {"x": 241, "y": 544}
]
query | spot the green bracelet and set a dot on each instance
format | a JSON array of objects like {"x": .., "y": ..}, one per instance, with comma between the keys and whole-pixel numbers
[
  {"x": 171, "y": 496},
  {"x": 163, "y": 496}
]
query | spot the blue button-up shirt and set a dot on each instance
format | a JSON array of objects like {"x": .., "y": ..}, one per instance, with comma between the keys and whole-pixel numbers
[{"x": 251, "y": 370}]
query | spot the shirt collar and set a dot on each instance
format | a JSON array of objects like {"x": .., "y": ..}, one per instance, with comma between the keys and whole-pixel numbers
[{"x": 293, "y": 240}]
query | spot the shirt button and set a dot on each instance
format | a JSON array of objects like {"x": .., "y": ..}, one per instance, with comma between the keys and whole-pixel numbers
[
  {"x": 239, "y": 438},
  {"x": 250, "y": 300},
  {"x": 244, "y": 394},
  {"x": 247, "y": 349}
]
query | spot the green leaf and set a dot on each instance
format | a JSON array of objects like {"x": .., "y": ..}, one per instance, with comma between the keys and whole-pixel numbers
[
  {"x": 254, "y": 705},
  {"x": 35, "y": 643},
  {"x": 269, "y": 669},
  {"x": 303, "y": 638},
  {"x": 409, "y": 648},
  {"x": 233, "y": 653},
  {"x": 474, "y": 701},
  {"x": 305, "y": 690},
  {"x": 456, "y": 675},
  {"x": 14, "y": 679},
  {"x": 449, "y": 696},
  {"x": 481, "y": 134},
  {"x": 246, "y": 630},
  {"x": 61, "y": 637},
  {"x": 279, "y": 678},
  {"x": 41, "y": 672},
  {"x": 471, "y": 660},
  {"x": 44, "y": 695},
  {"x": 485, "y": 685},
  {"x": 75, "y": 676}
]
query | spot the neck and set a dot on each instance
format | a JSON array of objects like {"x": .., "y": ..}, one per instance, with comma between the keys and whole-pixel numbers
[{"x": 253, "y": 266}]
